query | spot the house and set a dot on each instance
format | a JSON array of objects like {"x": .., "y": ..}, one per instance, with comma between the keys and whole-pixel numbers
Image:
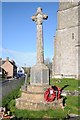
[
  {"x": 10, "y": 68},
  {"x": 3, "y": 73}
]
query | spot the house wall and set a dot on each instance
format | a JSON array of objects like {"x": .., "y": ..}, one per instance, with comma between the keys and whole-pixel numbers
[{"x": 9, "y": 68}]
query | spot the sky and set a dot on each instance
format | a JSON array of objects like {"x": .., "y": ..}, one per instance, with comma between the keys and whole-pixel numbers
[{"x": 19, "y": 31}]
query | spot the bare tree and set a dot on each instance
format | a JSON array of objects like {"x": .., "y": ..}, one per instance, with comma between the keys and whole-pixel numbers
[{"x": 48, "y": 63}]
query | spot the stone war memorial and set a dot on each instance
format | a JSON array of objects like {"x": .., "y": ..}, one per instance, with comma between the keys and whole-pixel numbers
[{"x": 32, "y": 97}]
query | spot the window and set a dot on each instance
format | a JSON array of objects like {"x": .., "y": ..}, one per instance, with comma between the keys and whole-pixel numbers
[{"x": 72, "y": 35}]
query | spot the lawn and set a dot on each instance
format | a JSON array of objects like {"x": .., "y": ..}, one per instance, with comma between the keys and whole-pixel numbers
[{"x": 72, "y": 84}]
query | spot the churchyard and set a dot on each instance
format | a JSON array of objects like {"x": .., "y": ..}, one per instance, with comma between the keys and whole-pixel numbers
[{"x": 71, "y": 103}]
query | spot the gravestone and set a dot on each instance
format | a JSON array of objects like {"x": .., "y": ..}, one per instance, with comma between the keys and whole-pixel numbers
[{"x": 39, "y": 72}]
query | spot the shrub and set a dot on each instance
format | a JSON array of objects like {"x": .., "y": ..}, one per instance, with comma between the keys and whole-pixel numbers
[{"x": 12, "y": 106}]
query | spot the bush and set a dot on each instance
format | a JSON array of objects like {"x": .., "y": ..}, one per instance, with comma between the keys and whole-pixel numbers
[
  {"x": 9, "y": 100},
  {"x": 12, "y": 106}
]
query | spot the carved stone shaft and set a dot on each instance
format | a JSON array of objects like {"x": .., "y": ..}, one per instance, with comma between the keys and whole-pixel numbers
[
  {"x": 40, "y": 49},
  {"x": 38, "y": 18},
  {"x": 39, "y": 72}
]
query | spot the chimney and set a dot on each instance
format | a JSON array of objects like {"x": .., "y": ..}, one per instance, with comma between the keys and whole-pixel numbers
[{"x": 7, "y": 59}]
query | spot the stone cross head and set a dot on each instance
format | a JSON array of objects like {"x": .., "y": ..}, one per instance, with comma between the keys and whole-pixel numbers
[{"x": 39, "y": 16}]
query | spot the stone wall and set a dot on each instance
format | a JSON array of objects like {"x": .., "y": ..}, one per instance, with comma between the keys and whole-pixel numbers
[
  {"x": 67, "y": 53},
  {"x": 68, "y": 18},
  {"x": 57, "y": 59},
  {"x": 68, "y": 50},
  {"x": 67, "y": 5}
]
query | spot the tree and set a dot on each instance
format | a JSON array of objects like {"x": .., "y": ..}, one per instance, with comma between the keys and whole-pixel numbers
[{"x": 48, "y": 63}]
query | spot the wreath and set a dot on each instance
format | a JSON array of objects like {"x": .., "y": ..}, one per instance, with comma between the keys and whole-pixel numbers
[{"x": 50, "y": 94}]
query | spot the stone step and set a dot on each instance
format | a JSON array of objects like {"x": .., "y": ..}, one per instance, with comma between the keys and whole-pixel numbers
[
  {"x": 37, "y": 89},
  {"x": 32, "y": 105},
  {"x": 30, "y": 96}
]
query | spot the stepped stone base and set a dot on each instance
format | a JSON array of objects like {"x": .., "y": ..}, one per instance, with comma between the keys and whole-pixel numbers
[
  {"x": 32, "y": 105},
  {"x": 33, "y": 99}
]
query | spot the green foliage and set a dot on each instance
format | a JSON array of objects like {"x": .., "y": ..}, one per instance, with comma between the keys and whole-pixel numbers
[
  {"x": 72, "y": 83},
  {"x": 12, "y": 106},
  {"x": 2, "y": 78},
  {"x": 57, "y": 113},
  {"x": 7, "y": 100},
  {"x": 72, "y": 104},
  {"x": 28, "y": 81}
]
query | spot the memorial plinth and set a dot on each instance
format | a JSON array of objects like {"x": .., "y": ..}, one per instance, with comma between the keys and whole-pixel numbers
[
  {"x": 33, "y": 97},
  {"x": 39, "y": 75}
]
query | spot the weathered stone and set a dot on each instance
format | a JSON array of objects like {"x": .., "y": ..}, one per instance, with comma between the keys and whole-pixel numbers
[
  {"x": 67, "y": 42},
  {"x": 38, "y": 18},
  {"x": 39, "y": 75},
  {"x": 72, "y": 93},
  {"x": 33, "y": 99},
  {"x": 24, "y": 87},
  {"x": 36, "y": 104},
  {"x": 39, "y": 72}
]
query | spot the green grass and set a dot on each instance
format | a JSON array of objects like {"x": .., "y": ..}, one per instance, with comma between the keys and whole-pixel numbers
[
  {"x": 0, "y": 77},
  {"x": 72, "y": 104},
  {"x": 58, "y": 113},
  {"x": 72, "y": 83}
]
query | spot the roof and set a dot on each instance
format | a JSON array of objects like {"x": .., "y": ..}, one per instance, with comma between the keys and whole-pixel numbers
[
  {"x": 3, "y": 61},
  {"x": 13, "y": 63}
]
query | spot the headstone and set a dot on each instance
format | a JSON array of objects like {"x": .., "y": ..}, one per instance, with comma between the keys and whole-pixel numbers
[{"x": 39, "y": 72}]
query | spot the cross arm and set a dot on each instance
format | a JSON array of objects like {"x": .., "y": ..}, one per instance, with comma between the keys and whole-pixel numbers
[
  {"x": 45, "y": 16},
  {"x": 33, "y": 18}
]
